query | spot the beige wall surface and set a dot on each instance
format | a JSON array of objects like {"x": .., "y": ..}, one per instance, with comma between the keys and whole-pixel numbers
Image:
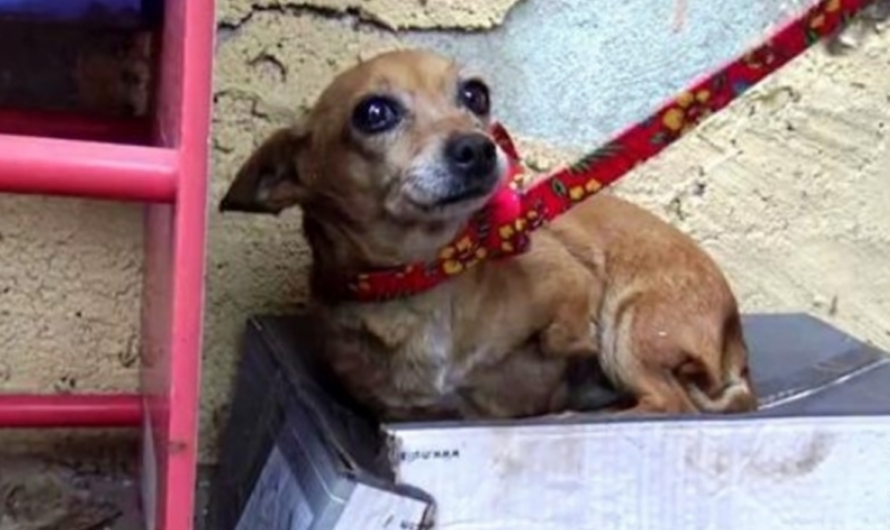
[{"x": 787, "y": 189}]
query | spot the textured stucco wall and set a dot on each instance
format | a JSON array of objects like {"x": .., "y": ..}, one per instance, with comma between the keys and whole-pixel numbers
[
  {"x": 69, "y": 294},
  {"x": 785, "y": 188}
]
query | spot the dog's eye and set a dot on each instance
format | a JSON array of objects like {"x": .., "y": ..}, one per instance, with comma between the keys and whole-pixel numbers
[
  {"x": 376, "y": 114},
  {"x": 474, "y": 96}
]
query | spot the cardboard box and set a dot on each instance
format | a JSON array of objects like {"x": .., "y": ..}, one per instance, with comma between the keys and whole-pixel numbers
[{"x": 817, "y": 456}]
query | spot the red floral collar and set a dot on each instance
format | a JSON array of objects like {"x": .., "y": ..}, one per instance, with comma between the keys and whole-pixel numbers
[{"x": 502, "y": 229}]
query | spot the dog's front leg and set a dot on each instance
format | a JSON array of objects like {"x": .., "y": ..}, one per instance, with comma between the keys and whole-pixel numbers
[
  {"x": 573, "y": 330},
  {"x": 570, "y": 338}
]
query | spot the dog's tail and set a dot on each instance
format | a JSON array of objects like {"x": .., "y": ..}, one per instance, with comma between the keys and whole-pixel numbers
[
  {"x": 735, "y": 396},
  {"x": 723, "y": 384}
]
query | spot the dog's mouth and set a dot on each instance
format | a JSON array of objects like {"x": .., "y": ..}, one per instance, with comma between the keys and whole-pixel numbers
[
  {"x": 464, "y": 194},
  {"x": 456, "y": 198},
  {"x": 438, "y": 190}
]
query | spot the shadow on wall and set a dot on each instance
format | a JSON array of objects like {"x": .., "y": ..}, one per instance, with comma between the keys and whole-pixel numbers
[{"x": 574, "y": 73}]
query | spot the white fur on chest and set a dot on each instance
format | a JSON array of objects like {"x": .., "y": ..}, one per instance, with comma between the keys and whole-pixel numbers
[
  {"x": 454, "y": 367},
  {"x": 436, "y": 344},
  {"x": 410, "y": 349}
]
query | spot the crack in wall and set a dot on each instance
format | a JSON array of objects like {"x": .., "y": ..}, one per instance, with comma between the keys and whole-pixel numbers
[
  {"x": 226, "y": 29},
  {"x": 386, "y": 16}
]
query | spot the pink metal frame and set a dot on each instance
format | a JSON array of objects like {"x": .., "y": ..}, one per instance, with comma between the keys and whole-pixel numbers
[{"x": 84, "y": 157}]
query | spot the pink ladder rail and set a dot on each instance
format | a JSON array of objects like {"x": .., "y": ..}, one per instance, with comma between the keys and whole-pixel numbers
[{"x": 64, "y": 156}]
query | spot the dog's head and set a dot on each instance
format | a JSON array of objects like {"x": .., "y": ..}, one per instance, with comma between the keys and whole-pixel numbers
[{"x": 399, "y": 142}]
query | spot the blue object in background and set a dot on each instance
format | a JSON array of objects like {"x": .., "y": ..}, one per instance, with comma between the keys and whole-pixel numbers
[{"x": 73, "y": 9}]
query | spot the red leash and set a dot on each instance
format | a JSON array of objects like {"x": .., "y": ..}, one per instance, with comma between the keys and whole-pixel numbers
[{"x": 502, "y": 228}]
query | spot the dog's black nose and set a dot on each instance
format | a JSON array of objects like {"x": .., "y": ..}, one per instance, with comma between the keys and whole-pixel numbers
[{"x": 471, "y": 155}]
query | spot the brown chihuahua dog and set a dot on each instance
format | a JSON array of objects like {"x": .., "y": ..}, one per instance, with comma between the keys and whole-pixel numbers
[{"x": 388, "y": 166}]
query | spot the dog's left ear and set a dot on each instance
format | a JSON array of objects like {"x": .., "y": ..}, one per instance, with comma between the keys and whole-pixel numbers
[{"x": 269, "y": 181}]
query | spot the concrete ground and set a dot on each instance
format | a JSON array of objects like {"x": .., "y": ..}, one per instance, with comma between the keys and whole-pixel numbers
[
  {"x": 86, "y": 484},
  {"x": 96, "y": 489}
]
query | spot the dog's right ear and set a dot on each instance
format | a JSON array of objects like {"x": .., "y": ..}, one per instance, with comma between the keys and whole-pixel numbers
[{"x": 268, "y": 182}]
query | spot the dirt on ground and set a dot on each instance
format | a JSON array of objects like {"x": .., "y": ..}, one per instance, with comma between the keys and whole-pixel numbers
[{"x": 73, "y": 492}]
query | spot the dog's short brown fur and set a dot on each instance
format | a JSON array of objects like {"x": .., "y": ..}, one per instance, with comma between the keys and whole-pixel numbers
[{"x": 606, "y": 279}]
